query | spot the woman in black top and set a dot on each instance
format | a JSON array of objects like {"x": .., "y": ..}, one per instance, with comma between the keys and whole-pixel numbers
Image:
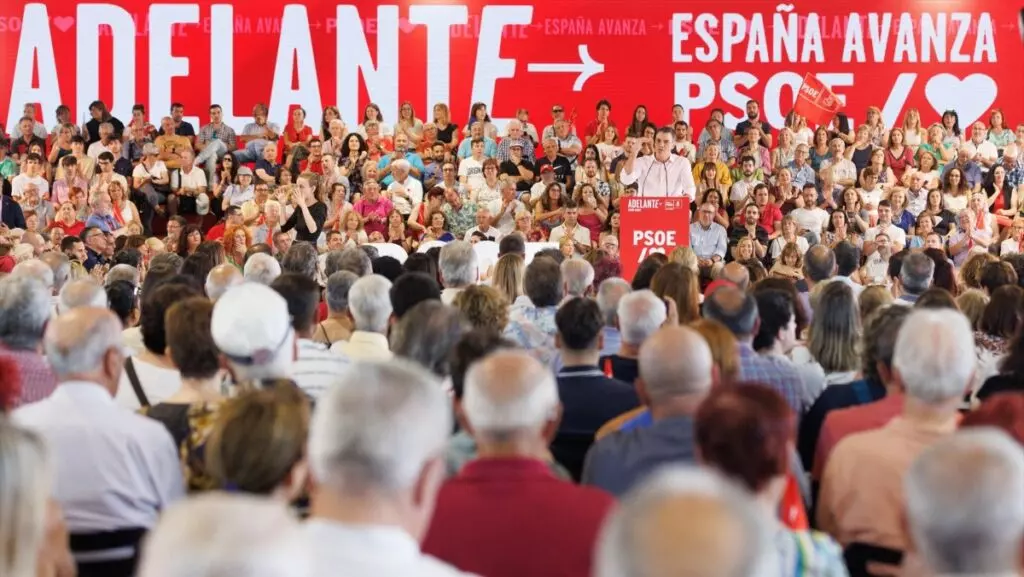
[
  {"x": 446, "y": 129},
  {"x": 310, "y": 214}
]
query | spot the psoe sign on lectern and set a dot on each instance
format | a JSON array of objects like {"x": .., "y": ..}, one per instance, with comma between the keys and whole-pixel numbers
[{"x": 650, "y": 225}]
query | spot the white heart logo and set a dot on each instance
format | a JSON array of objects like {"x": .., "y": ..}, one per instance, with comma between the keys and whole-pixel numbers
[{"x": 970, "y": 97}]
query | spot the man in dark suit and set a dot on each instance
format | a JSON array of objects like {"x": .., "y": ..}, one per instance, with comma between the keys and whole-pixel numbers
[
  {"x": 11, "y": 215},
  {"x": 589, "y": 398}
]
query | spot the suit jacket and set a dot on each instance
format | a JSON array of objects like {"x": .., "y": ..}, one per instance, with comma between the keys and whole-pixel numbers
[{"x": 10, "y": 213}]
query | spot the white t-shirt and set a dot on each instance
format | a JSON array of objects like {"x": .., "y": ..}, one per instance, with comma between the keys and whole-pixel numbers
[
  {"x": 158, "y": 171},
  {"x": 413, "y": 188},
  {"x": 18, "y": 184},
  {"x": 194, "y": 179},
  {"x": 580, "y": 234},
  {"x": 896, "y": 235},
  {"x": 96, "y": 149},
  {"x": 238, "y": 196},
  {"x": 780, "y": 243},
  {"x": 987, "y": 150},
  {"x": 1009, "y": 246},
  {"x": 741, "y": 189},
  {"x": 473, "y": 170},
  {"x": 491, "y": 233},
  {"x": 811, "y": 219},
  {"x": 157, "y": 382}
]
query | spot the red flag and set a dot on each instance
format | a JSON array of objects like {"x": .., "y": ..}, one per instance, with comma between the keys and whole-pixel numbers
[{"x": 815, "y": 102}]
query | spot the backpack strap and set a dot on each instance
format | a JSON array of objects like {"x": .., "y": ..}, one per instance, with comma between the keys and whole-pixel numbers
[
  {"x": 327, "y": 337},
  {"x": 133, "y": 378}
]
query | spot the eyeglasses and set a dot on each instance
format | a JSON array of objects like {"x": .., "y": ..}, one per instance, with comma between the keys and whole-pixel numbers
[{"x": 556, "y": 111}]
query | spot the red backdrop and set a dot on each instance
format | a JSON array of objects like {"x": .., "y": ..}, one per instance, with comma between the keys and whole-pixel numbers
[{"x": 963, "y": 54}]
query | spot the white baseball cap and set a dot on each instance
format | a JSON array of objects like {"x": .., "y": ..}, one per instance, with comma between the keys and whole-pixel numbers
[
  {"x": 203, "y": 204},
  {"x": 250, "y": 324}
]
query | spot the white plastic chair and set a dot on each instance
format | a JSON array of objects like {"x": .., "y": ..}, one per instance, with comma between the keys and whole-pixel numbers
[
  {"x": 532, "y": 248},
  {"x": 390, "y": 249}
]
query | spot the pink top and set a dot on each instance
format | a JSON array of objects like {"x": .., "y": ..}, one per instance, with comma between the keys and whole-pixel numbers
[
  {"x": 592, "y": 223},
  {"x": 379, "y": 210}
]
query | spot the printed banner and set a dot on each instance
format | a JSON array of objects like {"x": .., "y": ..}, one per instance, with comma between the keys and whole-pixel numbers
[
  {"x": 956, "y": 54},
  {"x": 816, "y": 102},
  {"x": 650, "y": 225}
]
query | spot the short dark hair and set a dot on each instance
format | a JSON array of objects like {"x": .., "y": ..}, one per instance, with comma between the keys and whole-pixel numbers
[
  {"x": 410, "y": 289},
  {"x": 997, "y": 274},
  {"x": 419, "y": 262},
  {"x": 747, "y": 157},
  {"x": 106, "y": 156},
  {"x": 512, "y": 243},
  {"x": 579, "y": 323},
  {"x": 301, "y": 258},
  {"x": 542, "y": 282},
  {"x": 603, "y": 102},
  {"x": 129, "y": 256},
  {"x": 570, "y": 203},
  {"x": 302, "y": 294},
  {"x": 473, "y": 346},
  {"x": 847, "y": 258},
  {"x": 646, "y": 271},
  {"x": 122, "y": 300},
  {"x": 1016, "y": 260},
  {"x": 260, "y": 247},
  {"x": 69, "y": 242},
  {"x": 154, "y": 308},
  {"x": 776, "y": 309},
  {"x": 193, "y": 351},
  {"x": 917, "y": 272},
  {"x": 1003, "y": 312},
  {"x": 895, "y": 264},
  {"x": 387, "y": 267},
  {"x": 733, "y": 308}
]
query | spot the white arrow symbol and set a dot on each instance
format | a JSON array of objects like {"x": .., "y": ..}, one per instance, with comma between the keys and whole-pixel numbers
[{"x": 587, "y": 68}]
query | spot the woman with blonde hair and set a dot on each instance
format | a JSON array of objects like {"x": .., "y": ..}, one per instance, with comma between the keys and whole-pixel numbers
[
  {"x": 972, "y": 303},
  {"x": 352, "y": 231},
  {"x": 682, "y": 285},
  {"x": 834, "y": 334},
  {"x": 871, "y": 299},
  {"x": 912, "y": 132},
  {"x": 447, "y": 131},
  {"x": 508, "y": 275},
  {"x": 685, "y": 256},
  {"x": 408, "y": 124},
  {"x": 485, "y": 307},
  {"x": 783, "y": 154},
  {"x": 876, "y": 126},
  {"x": 724, "y": 350}
]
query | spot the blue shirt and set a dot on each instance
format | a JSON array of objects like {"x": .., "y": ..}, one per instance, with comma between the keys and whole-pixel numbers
[
  {"x": 970, "y": 171},
  {"x": 104, "y": 223},
  {"x": 782, "y": 377},
  {"x": 619, "y": 461},
  {"x": 490, "y": 148},
  {"x": 414, "y": 161},
  {"x": 802, "y": 175}
]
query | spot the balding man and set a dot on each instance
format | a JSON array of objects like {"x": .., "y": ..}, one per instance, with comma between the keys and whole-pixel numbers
[
  {"x": 737, "y": 274},
  {"x": 221, "y": 278},
  {"x": 639, "y": 315},
  {"x": 687, "y": 522},
  {"x": 24, "y": 311},
  {"x": 862, "y": 496},
  {"x": 965, "y": 504},
  {"x": 118, "y": 470},
  {"x": 83, "y": 292},
  {"x": 261, "y": 268},
  {"x": 506, "y": 514},
  {"x": 375, "y": 446},
  {"x": 676, "y": 373},
  {"x": 737, "y": 310}
]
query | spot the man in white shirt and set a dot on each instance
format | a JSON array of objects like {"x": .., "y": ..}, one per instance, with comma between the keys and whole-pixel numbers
[
  {"x": 811, "y": 219},
  {"x": 743, "y": 188},
  {"x": 876, "y": 265},
  {"x": 369, "y": 305},
  {"x": 985, "y": 153},
  {"x": 843, "y": 171},
  {"x": 376, "y": 448},
  {"x": 33, "y": 164},
  {"x": 503, "y": 211},
  {"x": 405, "y": 191},
  {"x": 571, "y": 228},
  {"x": 315, "y": 367},
  {"x": 661, "y": 174},
  {"x": 483, "y": 227},
  {"x": 115, "y": 470},
  {"x": 471, "y": 169},
  {"x": 896, "y": 235},
  {"x": 97, "y": 148},
  {"x": 191, "y": 181}
]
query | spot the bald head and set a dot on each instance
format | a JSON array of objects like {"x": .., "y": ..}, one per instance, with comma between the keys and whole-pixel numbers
[
  {"x": 220, "y": 279},
  {"x": 85, "y": 344},
  {"x": 509, "y": 391},
  {"x": 737, "y": 274},
  {"x": 819, "y": 263},
  {"x": 84, "y": 292},
  {"x": 35, "y": 239},
  {"x": 685, "y": 522},
  {"x": 675, "y": 361}
]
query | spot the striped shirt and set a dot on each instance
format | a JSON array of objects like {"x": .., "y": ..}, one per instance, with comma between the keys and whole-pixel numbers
[{"x": 316, "y": 368}]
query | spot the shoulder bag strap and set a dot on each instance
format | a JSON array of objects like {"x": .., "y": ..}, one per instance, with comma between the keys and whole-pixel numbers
[{"x": 133, "y": 378}]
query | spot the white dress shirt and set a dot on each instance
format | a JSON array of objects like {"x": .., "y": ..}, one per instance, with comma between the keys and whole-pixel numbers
[
  {"x": 364, "y": 346},
  {"x": 114, "y": 469},
  {"x": 673, "y": 177},
  {"x": 370, "y": 551}
]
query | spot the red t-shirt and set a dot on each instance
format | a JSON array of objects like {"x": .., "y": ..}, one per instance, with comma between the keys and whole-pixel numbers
[
  {"x": 316, "y": 167},
  {"x": 770, "y": 214},
  {"x": 299, "y": 136},
  {"x": 216, "y": 232},
  {"x": 72, "y": 230},
  {"x": 591, "y": 129}
]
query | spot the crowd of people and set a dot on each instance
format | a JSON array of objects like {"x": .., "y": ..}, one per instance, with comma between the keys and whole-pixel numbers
[{"x": 284, "y": 353}]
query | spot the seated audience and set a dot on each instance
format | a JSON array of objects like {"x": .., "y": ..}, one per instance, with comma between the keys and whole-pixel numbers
[{"x": 369, "y": 305}]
